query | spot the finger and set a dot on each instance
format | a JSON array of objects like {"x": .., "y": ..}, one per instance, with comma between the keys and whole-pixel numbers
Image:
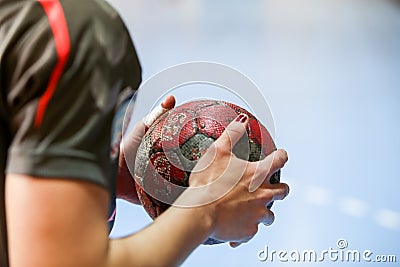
[
  {"x": 133, "y": 138},
  {"x": 233, "y": 132},
  {"x": 275, "y": 161},
  {"x": 272, "y": 192},
  {"x": 234, "y": 244},
  {"x": 266, "y": 167},
  {"x": 280, "y": 191},
  {"x": 130, "y": 144},
  {"x": 279, "y": 159},
  {"x": 269, "y": 218},
  {"x": 166, "y": 105},
  {"x": 169, "y": 102}
]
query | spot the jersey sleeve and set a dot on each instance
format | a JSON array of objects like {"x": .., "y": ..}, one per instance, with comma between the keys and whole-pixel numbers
[{"x": 65, "y": 64}]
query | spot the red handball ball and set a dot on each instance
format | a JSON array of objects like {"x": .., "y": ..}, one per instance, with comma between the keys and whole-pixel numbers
[{"x": 176, "y": 141}]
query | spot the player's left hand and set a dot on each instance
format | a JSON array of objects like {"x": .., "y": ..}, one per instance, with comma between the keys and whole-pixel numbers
[{"x": 125, "y": 184}]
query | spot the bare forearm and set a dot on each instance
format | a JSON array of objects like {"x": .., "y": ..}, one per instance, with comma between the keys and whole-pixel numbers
[
  {"x": 67, "y": 219},
  {"x": 166, "y": 242}
]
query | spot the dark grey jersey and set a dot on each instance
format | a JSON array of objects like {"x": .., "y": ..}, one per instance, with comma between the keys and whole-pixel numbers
[{"x": 63, "y": 64}]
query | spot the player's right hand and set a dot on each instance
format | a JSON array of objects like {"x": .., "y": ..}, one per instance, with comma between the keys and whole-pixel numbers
[{"x": 234, "y": 192}]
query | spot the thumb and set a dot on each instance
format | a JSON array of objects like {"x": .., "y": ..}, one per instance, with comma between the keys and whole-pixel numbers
[
  {"x": 130, "y": 143},
  {"x": 167, "y": 104},
  {"x": 139, "y": 129}
]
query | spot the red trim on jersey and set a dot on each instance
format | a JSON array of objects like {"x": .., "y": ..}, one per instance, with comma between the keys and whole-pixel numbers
[{"x": 59, "y": 28}]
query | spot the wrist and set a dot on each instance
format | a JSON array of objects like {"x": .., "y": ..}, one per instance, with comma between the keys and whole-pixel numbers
[{"x": 199, "y": 209}]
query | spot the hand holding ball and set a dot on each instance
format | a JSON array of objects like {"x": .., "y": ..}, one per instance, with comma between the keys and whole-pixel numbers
[{"x": 176, "y": 140}]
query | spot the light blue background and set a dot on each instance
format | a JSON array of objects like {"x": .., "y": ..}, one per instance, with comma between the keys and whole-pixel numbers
[{"x": 330, "y": 70}]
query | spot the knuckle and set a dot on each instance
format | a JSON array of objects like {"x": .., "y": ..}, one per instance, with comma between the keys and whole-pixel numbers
[
  {"x": 221, "y": 148},
  {"x": 251, "y": 168},
  {"x": 267, "y": 195},
  {"x": 252, "y": 230}
]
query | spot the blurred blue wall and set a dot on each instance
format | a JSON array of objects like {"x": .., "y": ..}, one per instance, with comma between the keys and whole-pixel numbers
[{"x": 330, "y": 70}]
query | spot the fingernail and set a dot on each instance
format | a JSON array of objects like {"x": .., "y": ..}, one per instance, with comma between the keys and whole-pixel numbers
[
  {"x": 234, "y": 244},
  {"x": 242, "y": 118}
]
